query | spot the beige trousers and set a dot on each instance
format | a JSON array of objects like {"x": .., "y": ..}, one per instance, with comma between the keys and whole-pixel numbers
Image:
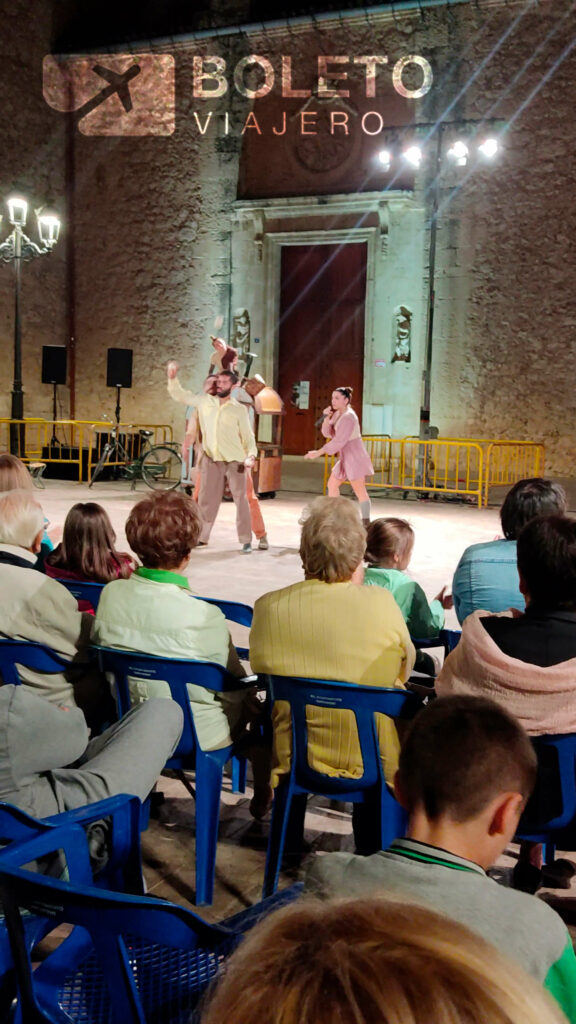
[{"x": 213, "y": 476}]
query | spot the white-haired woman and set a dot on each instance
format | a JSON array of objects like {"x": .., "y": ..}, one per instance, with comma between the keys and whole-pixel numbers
[{"x": 327, "y": 627}]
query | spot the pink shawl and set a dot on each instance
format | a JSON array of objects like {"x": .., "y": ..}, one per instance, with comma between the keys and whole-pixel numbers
[{"x": 543, "y": 699}]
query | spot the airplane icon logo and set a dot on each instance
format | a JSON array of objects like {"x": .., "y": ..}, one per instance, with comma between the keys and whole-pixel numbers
[
  {"x": 118, "y": 84},
  {"x": 139, "y": 98}
]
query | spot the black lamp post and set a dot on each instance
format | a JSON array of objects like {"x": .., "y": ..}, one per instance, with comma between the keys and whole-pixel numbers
[{"x": 16, "y": 248}]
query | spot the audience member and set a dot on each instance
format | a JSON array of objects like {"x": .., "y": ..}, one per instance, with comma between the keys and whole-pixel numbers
[
  {"x": 48, "y": 763},
  {"x": 389, "y": 546},
  {"x": 327, "y": 627},
  {"x": 466, "y": 771},
  {"x": 486, "y": 576},
  {"x": 33, "y": 607},
  {"x": 15, "y": 476},
  {"x": 527, "y": 661},
  {"x": 372, "y": 961},
  {"x": 87, "y": 551},
  {"x": 154, "y": 611}
]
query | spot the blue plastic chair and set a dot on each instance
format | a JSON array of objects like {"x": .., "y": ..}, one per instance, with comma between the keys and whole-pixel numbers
[
  {"x": 234, "y": 611},
  {"x": 30, "y": 655},
  {"x": 188, "y": 756},
  {"x": 538, "y": 823},
  {"x": 447, "y": 638},
  {"x": 84, "y": 591},
  {"x": 123, "y": 871},
  {"x": 128, "y": 959},
  {"x": 364, "y": 702}
]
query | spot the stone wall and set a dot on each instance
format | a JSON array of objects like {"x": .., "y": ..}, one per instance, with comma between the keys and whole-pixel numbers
[
  {"x": 504, "y": 357},
  {"x": 152, "y": 222}
]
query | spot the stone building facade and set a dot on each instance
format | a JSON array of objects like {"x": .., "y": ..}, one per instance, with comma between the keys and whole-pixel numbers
[{"x": 166, "y": 233}]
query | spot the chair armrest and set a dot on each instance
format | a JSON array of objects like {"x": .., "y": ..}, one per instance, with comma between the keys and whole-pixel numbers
[
  {"x": 93, "y": 812},
  {"x": 67, "y": 838},
  {"x": 123, "y": 870}
]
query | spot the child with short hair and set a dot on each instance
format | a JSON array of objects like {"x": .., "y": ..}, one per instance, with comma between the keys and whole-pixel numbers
[
  {"x": 465, "y": 773},
  {"x": 389, "y": 546}
]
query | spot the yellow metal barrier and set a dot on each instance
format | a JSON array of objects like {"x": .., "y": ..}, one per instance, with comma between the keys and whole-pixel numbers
[
  {"x": 509, "y": 461},
  {"x": 75, "y": 442},
  {"x": 463, "y": 466}
]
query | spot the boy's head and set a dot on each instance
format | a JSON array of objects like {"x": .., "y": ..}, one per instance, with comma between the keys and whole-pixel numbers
[{"x": 459, "y": 756}]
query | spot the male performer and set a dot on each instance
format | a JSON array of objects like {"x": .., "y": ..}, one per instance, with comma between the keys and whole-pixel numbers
[{"x": 229, "y": 450}]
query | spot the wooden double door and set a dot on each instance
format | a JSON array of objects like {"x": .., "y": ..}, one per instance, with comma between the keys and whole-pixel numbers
[{"x": 321, "y": 337}]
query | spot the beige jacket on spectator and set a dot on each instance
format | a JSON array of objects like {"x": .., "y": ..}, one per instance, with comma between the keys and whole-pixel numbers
[{"x": 34, "y": 607}]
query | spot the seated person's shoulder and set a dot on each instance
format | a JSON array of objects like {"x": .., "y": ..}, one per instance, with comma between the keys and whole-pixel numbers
[
  {"x": 500, "y": 550},
  {"x": 371, "y": 597},
  {"x": 326, "y": 874},
  {"x": 500, "y": 624},
  {"x": 117, "y": 591},
  {"x": 274, "y": 597},
  {"x": 56, "y": 592}
]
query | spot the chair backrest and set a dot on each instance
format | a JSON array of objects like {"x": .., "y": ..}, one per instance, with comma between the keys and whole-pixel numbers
[
  {"x": 447, "y": 638},
  {"x": 122, "y": 872},
  {"x": 364, "y": 701},
  {"x": 176, "y": 672},
  {"x": 552, "y": 806},
  {"x": 84, "y": 591},
  {"x": 30, "y": 655},
  {"x": 234, "y": 612},
  {"x": 136, "y": 957}
]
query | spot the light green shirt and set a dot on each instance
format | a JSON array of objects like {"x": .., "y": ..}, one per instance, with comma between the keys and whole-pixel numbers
[
  {"x": 155, "y": 612},
  {"x": 423, "y": 619}
]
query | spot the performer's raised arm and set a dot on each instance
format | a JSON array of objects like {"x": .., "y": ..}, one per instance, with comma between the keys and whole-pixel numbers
[{"x": 175, "y": 389}]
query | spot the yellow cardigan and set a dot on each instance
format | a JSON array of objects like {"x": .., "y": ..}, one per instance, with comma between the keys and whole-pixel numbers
[{"x": 337, "y": 631}]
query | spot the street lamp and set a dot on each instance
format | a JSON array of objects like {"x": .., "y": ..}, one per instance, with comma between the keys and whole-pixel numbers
[{"x": 17, "y": 247}]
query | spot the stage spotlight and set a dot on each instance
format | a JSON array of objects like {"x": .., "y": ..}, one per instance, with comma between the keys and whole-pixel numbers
[
  {"x": 413, "y": 156},
  {"x": 385, "y": 158},
  {"x": 489, "y": 148},
  {"x": 458, "y": 152}
]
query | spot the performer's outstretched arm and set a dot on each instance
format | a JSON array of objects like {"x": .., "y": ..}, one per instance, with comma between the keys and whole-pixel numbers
[
  {"x": 175, "y": 389},
  {"x": 338, "y": 437}
]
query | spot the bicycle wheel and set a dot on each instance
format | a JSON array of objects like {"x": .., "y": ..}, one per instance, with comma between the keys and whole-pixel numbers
[{"x": 162, "y": 468}]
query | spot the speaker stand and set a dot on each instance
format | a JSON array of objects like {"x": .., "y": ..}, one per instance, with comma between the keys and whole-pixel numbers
[
  {"x": 117, "y": 411},
  {"x": 54, "y": 440}
]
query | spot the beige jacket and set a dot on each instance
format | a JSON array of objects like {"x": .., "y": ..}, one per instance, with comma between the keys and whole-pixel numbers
[{"x": 35, "y": 607}]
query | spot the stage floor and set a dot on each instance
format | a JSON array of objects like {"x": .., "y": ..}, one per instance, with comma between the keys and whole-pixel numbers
[{"x": 442, "y": 529}]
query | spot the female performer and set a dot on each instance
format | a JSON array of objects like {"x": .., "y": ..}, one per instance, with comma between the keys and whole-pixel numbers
[{"x": 342, "y": 428}]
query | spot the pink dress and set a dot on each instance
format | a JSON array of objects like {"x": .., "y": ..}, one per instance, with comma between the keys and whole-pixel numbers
[{"x": 345, "y": 437}]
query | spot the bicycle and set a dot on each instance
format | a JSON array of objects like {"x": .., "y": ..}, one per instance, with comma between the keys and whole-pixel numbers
[{"x": 159, "y": 465}]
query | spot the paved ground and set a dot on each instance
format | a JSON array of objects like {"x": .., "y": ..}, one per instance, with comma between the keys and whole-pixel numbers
[{"x": 443, "y": 530}]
